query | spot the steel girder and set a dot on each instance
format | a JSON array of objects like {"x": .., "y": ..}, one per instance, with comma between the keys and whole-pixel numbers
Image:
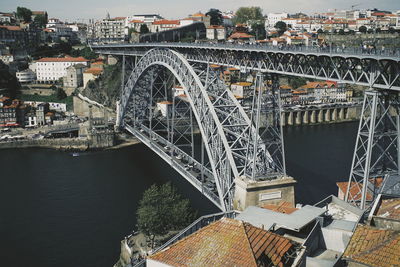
[
  {"x": 377, "y": 147},
  {"x": 365, "y": 70},
  {"x": 226, "y": 130}
]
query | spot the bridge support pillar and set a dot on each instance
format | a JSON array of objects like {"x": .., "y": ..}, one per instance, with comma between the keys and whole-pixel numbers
[
  {"x": 377, "y": 146},
  {"x": 283, "y": 119},
  {"x": 305, "y": 117},
  {"x": 341, "y": 114},
  {"x": 334, "y": 114},
  {"x": 313, "y": 116},
  {"x": 258, "y": 193},
  {"x": 290, "y": 118},
  {"x": 298, "y": 118},
  {"x": 320, "y": 115},
  {"x": 328, "y": 115}
]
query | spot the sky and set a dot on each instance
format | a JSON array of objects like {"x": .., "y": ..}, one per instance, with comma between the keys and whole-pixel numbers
[{"x": 76, "y": 10}]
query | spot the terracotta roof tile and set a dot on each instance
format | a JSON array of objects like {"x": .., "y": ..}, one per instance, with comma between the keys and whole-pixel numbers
[
  {"x": 64, "y": 59},
  {"x": 356, "y": 188},
  {"x": 390, "y": 209},
  {"x": 374, "y": 247},
  {"x": 228, "y": 242},
  {"x": 283, "y": 207}
]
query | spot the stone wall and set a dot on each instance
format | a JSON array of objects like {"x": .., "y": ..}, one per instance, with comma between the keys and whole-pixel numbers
[{"x": 81, "y": 108}]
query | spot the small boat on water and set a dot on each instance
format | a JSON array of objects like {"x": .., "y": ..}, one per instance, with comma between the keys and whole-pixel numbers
[{"x": 75, "y": 154}]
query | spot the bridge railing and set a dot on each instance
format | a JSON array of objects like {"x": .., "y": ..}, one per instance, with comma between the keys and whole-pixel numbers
[{"x": 329, "y": 50}]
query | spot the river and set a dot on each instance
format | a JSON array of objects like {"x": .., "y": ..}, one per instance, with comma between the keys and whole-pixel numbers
[{"x": 59, "y": 210}]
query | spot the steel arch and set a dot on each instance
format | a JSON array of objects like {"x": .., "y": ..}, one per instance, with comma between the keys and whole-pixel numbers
[{"x": 226, "y": 130}]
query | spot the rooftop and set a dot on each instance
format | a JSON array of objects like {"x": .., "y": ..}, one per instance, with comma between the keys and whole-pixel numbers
[
  {"x": 267, "y": 218},
  {"x": 228, "y": 242},
  {"x": 283, "y": 207},
  {"x": 389, "y": 208},
  {"x": 374, "y": 247},
  {"x": 64, "y": 59}
]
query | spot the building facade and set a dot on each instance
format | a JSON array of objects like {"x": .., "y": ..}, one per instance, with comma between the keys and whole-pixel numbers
[{"x": 49, "y": 70}]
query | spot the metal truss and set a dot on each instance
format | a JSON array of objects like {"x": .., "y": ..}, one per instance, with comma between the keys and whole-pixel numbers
[
  {"x": 227, "y": 132},
  {"x": 377, "y": 146},
  {"x": 355, "y": 68}
]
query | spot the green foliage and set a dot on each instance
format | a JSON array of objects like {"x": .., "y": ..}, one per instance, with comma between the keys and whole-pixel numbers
[
  {"x": 51, "y": 51},
  {"x": 84, "y": 52},
  {"x": 296, "y": 82},
  {"x": 215, "y": 16},
  {"x": 378, "y": 30},
  {"x": 24, "y": 13},
  {"x": 392, "y": 30},
  {"x": 320, "y": 31},
  {"x": 370, "y": 31},
  {"x": 40, "y": 21},
  {"x": 144, "y": 29},
  {"x": 249, "y": 15},
  {"x": 51, "y": 98},
  {"x": 281, "y": 27},
  {"x": 130, "y": 31},
  {"x": 8, "y": 81},
  {"x": 60, "y": 93},
  {"x": 341, "y": 32},
  {"x": 362, "y": 29},
  {"x": 161, "y": 210},
  {"x": 258, "y": 30}
]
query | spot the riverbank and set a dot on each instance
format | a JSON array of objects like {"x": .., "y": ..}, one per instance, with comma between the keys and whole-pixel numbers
[{"x": 66, "y": 144}]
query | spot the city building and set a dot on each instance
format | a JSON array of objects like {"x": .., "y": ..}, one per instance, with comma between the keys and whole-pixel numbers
[
  {"x": 74, "y": 76},
  {"x": 216, "y": 32},
  {"x": 26, "y": 76},
  {"x": 163, "y": 25},
  {"x": 7, "y": 17},
  {"x": 91, "y": 74},
  {"x": 273, "y": 18},
  {"x": 7, "y": 58},
  {"x": 41, "y": 110},
  {"x": 110, "y": 29},
  {"x": 12, "y": 113},
  {"x": 49, "y": 70},
  {"x": 229, "y": 242},
  {"x": 242, "y": 89}
]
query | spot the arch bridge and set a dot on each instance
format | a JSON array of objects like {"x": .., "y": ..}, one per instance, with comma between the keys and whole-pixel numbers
[{"x": 171, "y": 91}]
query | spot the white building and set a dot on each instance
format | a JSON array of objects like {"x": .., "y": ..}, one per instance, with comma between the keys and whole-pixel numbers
[
  {"x": 26, "y": 76},
  {"x": 241, "y": 89},
  {"x": 6, "y": 17},
  {"x": 163, "y": 25},
  {"x": 215, "y": 32},
  {"x": 52, "y": 69},
  {"x": 7, "y": 58},
  {"x": 110, "y": 29},
  {"x": 273, "y": 18}
]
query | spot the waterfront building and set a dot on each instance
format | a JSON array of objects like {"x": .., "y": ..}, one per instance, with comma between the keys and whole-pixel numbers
[
  {"x": 41, "y": 110},
  {"x": 49, "y": 70},
  {"x": 26, "y": 76},
  {"x": 242, "y": 89},
  {"x": 31, "y": 119},
  {"x": 12, "y": 113}
]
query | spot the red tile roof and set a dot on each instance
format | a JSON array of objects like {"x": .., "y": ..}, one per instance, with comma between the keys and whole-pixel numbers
[
  {"x": 389, "y": 209},
  {"x": 94, "y": 71},
  {"x": 356, "y": 189},
  {"x": 241, "y": 35},
  {"x": 283, "y": 207},
  {"x": 64, "y": 59},
  {"x": 166, "y": 22},
  {"x": 374, "y": 247},
  {"x": 228, "y": 242},
  {"x": 11, "y": 28}
]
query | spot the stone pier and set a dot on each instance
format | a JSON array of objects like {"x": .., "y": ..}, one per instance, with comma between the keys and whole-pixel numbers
[
  {"x": 298, "y": 118},
  {"x": 313, "y": 116},
  {"x": 334, "y": 114},
  {"x": 305, "y": 117},
  {"x": 328, "y": 115},
  {"x": 290, "y": 118},
  {"x": 320, "y": 116}
]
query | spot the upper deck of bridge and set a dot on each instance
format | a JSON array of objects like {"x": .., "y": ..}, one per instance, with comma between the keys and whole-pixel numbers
[{"x": 374, "y": 54}]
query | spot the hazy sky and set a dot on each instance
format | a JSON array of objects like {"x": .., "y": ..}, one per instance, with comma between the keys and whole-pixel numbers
[{"x": 85, "y": 9}]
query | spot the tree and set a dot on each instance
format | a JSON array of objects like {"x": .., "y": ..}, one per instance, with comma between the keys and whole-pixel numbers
[
  {"x": 370, "y": 30},
  {"x": 341, "y": 32},
  {"x": 362, "y": 29},
  {"x": 248, "y": 15},
  {"x": 40, "y": 20},
  {"x": 320, "y": 31},
  {"x": 296, "y": 82},
  {"x": 281, "y": 27},
  {"x": 258, "y": 30},
  {"x": 144, "y": 29},
  {"x": 161, "y": 210},
  {"x": 60, "y": 93},
  {"x": 392, "y": 30},
  {"x": 24, "y": 13},
  {"x": 378, "y": 30},
  {"x": 215, "y": 16}
]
